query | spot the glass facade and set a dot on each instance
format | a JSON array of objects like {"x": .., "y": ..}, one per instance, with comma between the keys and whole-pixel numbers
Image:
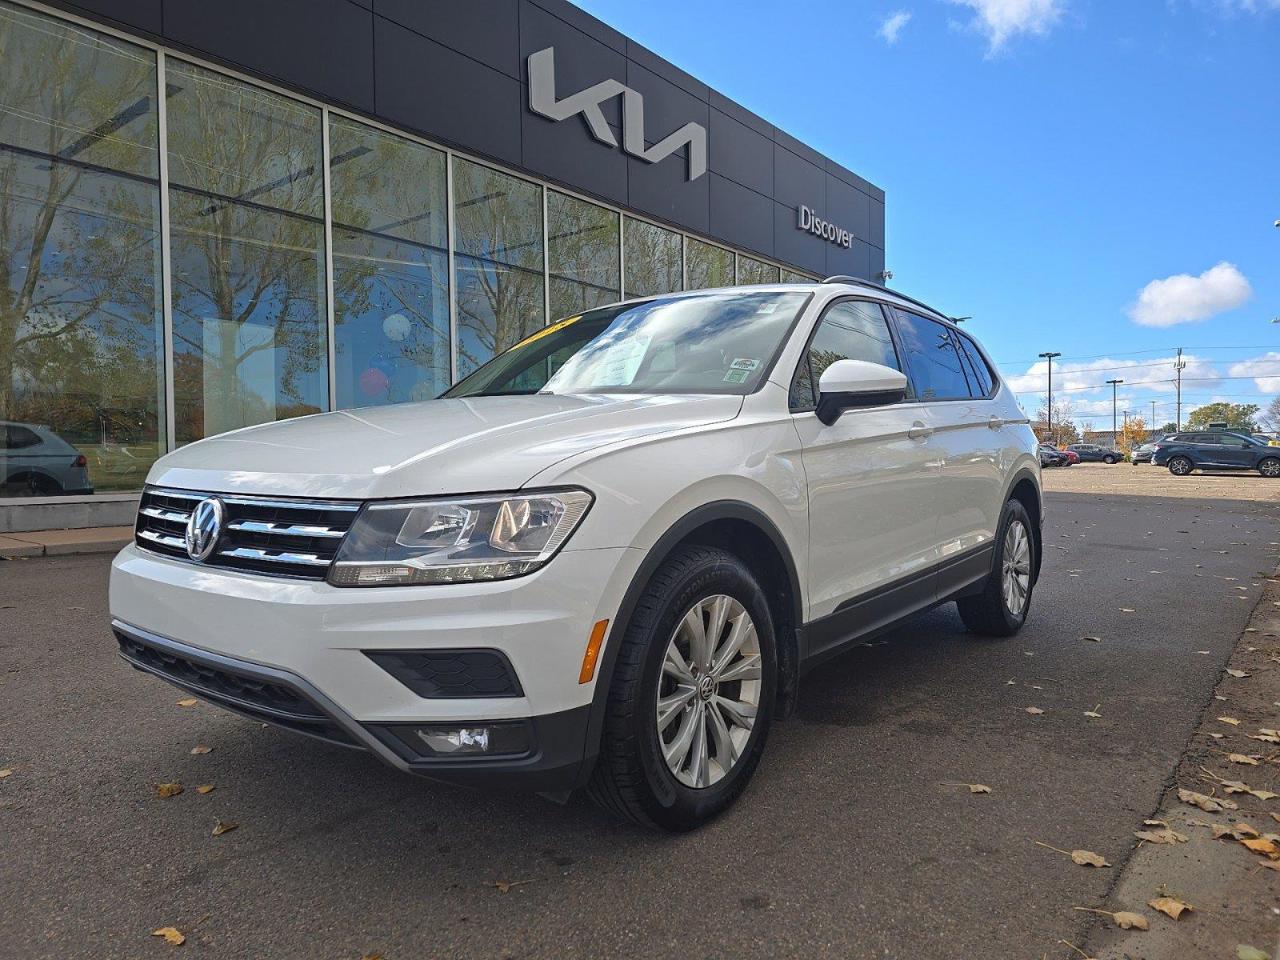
[{"x": 313, "y": 261}]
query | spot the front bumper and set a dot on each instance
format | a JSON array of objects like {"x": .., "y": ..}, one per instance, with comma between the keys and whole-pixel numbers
[{"x": 297, "y": 654}]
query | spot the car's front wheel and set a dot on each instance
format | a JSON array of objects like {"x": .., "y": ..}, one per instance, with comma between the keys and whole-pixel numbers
[
  {"x": 691, "y": 696},
  {"x": 1001, "y": 608},
  {"x": 1109, "y": 459},
  {"x": 1269, "y": 467},
  {"x": 1180, "y": 466}
]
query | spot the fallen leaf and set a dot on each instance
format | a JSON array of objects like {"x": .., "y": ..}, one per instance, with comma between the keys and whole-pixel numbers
[
  {"x": 223, "y": 826},
  {"x": 1206, "y": 803},
  {"x": 201, "y": 750},
  {"x": 1087, "y": 858},
  {"x": 1243, "y": 830},
  {"x": 979, "y": 788},
  {"x": 1276, "y": 817},
  {"x": 205, "y": 788},
  {"x": 188, "y": 702},
  {"x": 1094, "y": 712},
  {"x": 171, "y": 935},
  {"x": 1264, "y": 794},
  {"x": 1231, "y": 720},
  {"x": 1216, "y": 736},
  {"x": 1241, "y": 758},
  {"x": 1263, "y": 846},
  {"x": 1264, "y": 737},
  {"x": 1034, "y": 711},
  {"x": 1246, "y": 952},
  {"x": 1167, "y": 835},
  {"x": 166, "y": 790},
  {"x": 504, "y": 886},
  {"x": 6, "y": 772},
  {"x": 1130, "y": 921},
  {"x": 1170, "y": 906},
  {"x": 1238, "y": 674}
]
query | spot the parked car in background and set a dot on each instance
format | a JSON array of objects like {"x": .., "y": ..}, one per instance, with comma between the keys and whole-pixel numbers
[
  {"x": 1184, "y": 452},
  {"x": 1071, "y": 455},
  {"x": 604, "y": 558},
  {"x": 1051, "y": 456},
  {"x": 1144, "y": 453},
  {"x": 1094, "y": 453},
  {"x": 36, "y": 462},
  {"x": 1270, "y": 439}
]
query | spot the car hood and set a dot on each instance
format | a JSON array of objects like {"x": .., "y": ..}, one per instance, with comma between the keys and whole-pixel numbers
[{"x": 465, "y": 445}]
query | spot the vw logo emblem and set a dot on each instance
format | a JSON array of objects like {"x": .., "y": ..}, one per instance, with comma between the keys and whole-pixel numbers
[{"x": 203, "y": 527}]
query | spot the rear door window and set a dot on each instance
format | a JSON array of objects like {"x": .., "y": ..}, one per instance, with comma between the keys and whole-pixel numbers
[
  {"x": 981, "y": 379},
  {"x": 937, "y": 372}
]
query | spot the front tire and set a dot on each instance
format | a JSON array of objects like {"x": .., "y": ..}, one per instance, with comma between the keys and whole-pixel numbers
[
  {"x": 692, "y": 694},
  {"x": 1109, "y": 459},
  {"x": 1269, "y": 467},
  {"x": 1180, "y": 466},
  {"x": 1001, "y": 608}
]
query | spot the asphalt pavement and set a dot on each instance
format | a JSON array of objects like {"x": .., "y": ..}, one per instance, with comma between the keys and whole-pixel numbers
[{"x": 857, "y": 838}]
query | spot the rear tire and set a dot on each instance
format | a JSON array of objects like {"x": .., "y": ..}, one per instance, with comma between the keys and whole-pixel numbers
[
  {"x": 1109, "y": 459},
  {"x": 1001, "y": 608},
  {"x": 1180, "y": 466},
  {"x": 695, "y": 698},
  {"x": 1269, "y": 467}
]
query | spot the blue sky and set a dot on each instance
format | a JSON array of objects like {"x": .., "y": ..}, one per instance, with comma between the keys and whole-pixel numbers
[{"x": 1044, "y": 162}]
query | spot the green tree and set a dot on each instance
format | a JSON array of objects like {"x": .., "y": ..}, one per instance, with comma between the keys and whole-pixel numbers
[{"x": 1237, "y": 416}]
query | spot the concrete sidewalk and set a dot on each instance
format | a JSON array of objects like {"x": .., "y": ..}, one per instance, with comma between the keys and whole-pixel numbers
[{"x": 51, "y": 543}]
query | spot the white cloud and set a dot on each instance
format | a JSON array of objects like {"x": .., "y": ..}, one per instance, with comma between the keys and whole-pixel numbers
[
  {"x": 1001, "y": 20},
  {"x": 1144, "y": 374},
  {"x": 1265, "y": 370},
  {"x": 1183, "y": 298},
  {"x": 893, "y": 24}
]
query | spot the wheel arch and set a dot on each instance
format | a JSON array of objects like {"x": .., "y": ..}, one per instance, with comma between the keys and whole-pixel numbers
[
  {"x": 1026, "y": 490},
  {"x": 747, "y": 532}
]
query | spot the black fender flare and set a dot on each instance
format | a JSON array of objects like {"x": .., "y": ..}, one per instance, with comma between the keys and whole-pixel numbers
[
  {"x": 1026, "y": 473},
  {"x": 707, "y": 513}
]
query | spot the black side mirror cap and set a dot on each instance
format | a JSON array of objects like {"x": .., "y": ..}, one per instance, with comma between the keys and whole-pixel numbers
[{"x": 832, "y": 405}]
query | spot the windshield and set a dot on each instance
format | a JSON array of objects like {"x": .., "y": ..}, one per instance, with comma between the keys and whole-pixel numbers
[{"x": 699, "y": 343}]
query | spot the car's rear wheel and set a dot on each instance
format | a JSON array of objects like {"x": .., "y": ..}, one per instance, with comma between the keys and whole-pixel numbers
[
  {"x": 1269, "y": 467},
  {"x": 1109, "y": 459},
  {"x": 691, "y": 697},
  {"x": 1180, "y": 466},
  {"x": 1001, "y": 608}
]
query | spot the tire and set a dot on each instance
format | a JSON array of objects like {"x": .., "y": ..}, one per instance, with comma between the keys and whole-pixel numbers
[
  {"x": 1269, "y": 467},
  {"x": 633, "y": 777},
  {"x": 1180, "y": 466},
  {"x": 988, "y": 613},
  {"x": 1109, "y": 459}
]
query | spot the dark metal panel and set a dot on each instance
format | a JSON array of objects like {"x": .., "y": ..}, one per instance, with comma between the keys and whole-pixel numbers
[
  {"x": 444, "y": 95},
  {"x": 875, "y": 263},
  {"x": 139, "y": 14},
  {"x": 851, "y": 178},
  {"x": 854, "y": 262},
  {"x": 667, "y": 107},
  {"x": 740, "y": 153},
  {"x": 567, "y": 152},
  {"x": 661, "y": 190},
  {"x": 796, "y": 246},
  {"x": 741, "y": 217},
  {"x": 740, "y": 113},
  {"x": 581, "y": 61},
  {"x": 320, "y": 46},
  {"x": 796, "y": 180},
  {"x": 487, "y": 31},
  {"x": 848, "y": 207},
  {"x": 875, "y": 236},
  {"x": 585, "y": 22},
  {"x": 785, "y": 139},
  {"x": 646, "y": 58}
]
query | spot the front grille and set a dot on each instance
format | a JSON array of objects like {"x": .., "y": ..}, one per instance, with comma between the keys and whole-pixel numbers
[
  {"x": 290, "y": 538},
  {"x": 253, "y": 696}
]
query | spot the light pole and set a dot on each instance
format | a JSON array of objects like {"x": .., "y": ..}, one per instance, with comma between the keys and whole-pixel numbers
[
  {"x": 1115, "y": 440},
  {"x": 1178, "y": 365},
  {"x": 1152, "y": 425},
  {"x": 1049, "y": 412}
]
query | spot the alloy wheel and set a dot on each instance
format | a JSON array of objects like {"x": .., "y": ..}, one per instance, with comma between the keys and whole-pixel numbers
[
  {"x": 709, "y": 691},
  {"x": 1269, "y": 467},
  {"x": 1016, "y": 583},
  {"x": 1179, "y": 466}
]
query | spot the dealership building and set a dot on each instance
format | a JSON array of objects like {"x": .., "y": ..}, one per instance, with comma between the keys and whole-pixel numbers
[{"x": 215, "y": 214}]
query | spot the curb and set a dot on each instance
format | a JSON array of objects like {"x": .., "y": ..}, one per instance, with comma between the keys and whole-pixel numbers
[{"x": 59, "y": 543}]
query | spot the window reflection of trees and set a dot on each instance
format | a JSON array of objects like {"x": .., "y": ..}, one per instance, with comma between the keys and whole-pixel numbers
[
  {"x": 582, "y": 255},
  {"x": 708, "y": 265},
  {"x": 653, "y": 259},
  {"x": 247, "y": 232},
  {"x": 81, "y": 324},
  {"x": 756, "y": 271}
]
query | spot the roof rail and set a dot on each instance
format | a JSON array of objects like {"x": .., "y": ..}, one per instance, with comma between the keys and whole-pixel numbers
[{"x": 861, "y": 282}]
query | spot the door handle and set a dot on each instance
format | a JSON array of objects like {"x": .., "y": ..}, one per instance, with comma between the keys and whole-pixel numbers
[{"x": 919, "y": 431}]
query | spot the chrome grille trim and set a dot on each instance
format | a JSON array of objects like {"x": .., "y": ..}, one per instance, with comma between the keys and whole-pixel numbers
[{"x": 266, "y": 536}]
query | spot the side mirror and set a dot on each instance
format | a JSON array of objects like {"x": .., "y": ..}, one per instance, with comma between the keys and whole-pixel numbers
[{"x": 847, "y": 384}]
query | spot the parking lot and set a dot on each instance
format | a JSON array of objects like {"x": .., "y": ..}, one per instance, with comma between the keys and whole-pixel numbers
[{"x": 858, "y": 838}]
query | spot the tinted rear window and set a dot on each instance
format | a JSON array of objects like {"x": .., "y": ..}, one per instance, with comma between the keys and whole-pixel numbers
[{"x": 937, "y": 372}]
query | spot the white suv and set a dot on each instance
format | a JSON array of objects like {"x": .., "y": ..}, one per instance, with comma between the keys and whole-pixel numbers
[{"x": 606, "y": 557}]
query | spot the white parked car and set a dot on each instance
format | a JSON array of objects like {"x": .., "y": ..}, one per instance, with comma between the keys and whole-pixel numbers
[{"x": 604, "y": 559}]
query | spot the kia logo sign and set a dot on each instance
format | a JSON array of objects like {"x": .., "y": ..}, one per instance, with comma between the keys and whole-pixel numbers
[
  {"x": 542, "y": 101},
  {"x": 812, "y": 223}
]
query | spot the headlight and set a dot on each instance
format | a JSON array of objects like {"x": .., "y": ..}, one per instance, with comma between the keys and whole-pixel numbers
[{"x": 456, "y": 540}]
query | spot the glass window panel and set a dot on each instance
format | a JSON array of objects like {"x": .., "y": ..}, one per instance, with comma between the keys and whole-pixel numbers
[
  {"x": 709, "y": 265},
  {"x": 850, "y": 330},
  {"x": 498, "y": 261},
  {"x": 790, "y": 276},
  {"x": 246, "y": 204},
  {"x": 582, "y": 253},
  {"x": 653, "y": 259},
  {"x": 756, "y": 271},
  {"x": 81, "y": 315},
  {"x": 936, "y": 372},
  {"x": 390, "y": 266}
]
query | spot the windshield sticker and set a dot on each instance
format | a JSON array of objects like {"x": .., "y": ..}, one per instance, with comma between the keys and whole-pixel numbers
[
  {"x": 736, "y": 376},
  {"x": 745, "y": 363},
  {"x": 619, "y": 361}
]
